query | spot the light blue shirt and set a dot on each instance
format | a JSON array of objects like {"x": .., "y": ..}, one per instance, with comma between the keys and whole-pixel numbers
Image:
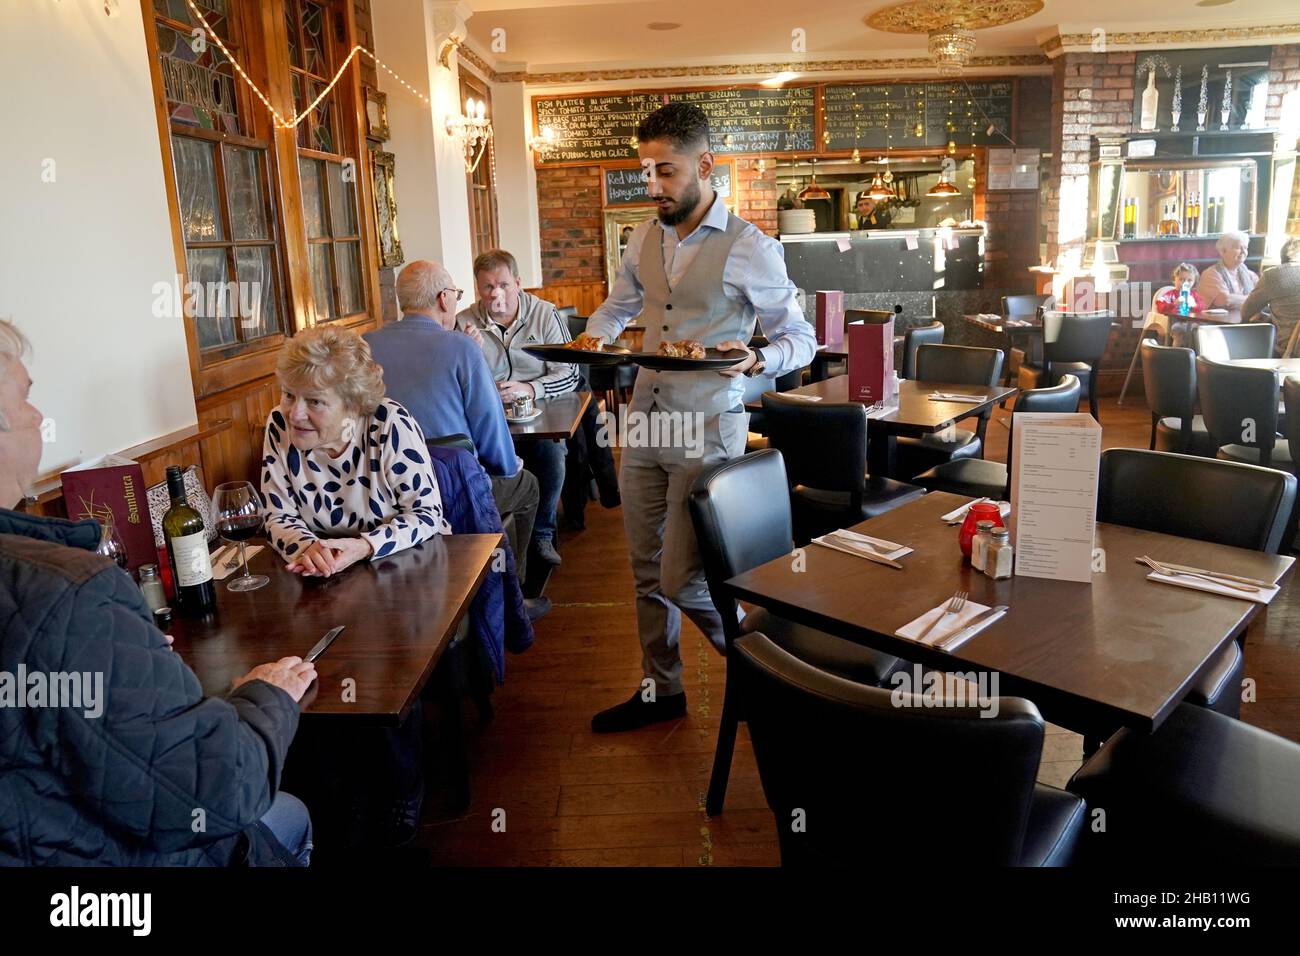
[{"x": 754, "y": 276}]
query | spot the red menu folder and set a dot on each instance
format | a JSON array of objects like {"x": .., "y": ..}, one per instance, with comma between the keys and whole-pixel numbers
[
  {"x": 871, "y": 358},
  {"x": 830, "y": 318},
  {"x": 113, "y": 485}
]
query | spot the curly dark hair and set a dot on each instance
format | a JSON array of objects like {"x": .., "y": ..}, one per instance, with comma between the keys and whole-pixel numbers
[{"x": 682, "y": 124}]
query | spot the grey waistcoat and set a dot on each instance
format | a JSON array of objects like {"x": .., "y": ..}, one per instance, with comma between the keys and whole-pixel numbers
[{"x": 698, "y": 309}]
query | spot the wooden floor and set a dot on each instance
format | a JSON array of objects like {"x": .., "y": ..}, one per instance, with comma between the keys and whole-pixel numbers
[{"x": 548, "y": 792}]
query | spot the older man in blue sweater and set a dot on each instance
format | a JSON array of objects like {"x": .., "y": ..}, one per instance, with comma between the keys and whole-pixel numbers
[{"x": 441, "y": 377}]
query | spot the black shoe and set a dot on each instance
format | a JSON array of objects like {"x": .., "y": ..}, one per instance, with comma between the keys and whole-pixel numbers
[
  {"x": 635, "y": 713},
  {"x": 403, "y": 821},
  {"x": 611, "y": 499},
  {"x": 537, "y": 608},
  {"x": 545, "y": 548}
]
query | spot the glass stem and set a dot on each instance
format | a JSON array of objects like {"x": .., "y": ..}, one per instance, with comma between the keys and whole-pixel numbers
[{"x": 243, "y": 559}]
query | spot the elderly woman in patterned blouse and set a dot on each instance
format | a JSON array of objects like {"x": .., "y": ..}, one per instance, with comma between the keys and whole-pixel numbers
[
  {"x": 1227, "y": 283},
  {"x": 345, "y": 472}
]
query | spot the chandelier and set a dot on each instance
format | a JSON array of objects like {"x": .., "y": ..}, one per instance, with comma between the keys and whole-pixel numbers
[
  {"x": 951, "y": 49},
  {"x": 473, "y": 129}
]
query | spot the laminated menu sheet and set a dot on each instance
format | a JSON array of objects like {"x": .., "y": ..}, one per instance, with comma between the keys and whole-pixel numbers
[{"x": 1056, "y": 458}]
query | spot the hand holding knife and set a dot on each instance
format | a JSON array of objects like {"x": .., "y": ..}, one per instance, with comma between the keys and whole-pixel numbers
[{"x": 323, "y": 643}]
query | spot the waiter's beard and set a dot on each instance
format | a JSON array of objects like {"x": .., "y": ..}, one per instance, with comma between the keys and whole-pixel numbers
[{"x": 683, "y": 207}]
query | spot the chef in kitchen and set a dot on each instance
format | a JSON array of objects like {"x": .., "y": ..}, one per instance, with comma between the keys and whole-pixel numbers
[
  {"x": 696, "y": 273},
  {"x": 871, "y": 215}
]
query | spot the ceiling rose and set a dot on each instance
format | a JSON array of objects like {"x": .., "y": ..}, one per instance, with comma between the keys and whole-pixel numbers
[{"x": 930, "y": 16}]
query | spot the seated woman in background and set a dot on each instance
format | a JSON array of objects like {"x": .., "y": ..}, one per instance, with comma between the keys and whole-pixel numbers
[
  {"x": 1226, "y": 284},
  {"x": 345, "y": 471},
  {"x": 1169, "y": 300},
  {"x": 1277, "y": 298}
]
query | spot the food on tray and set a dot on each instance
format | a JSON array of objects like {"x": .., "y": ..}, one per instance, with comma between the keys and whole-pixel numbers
[
  {"x": 686, "y": 348},
  {"x": 588, "y": 343}
]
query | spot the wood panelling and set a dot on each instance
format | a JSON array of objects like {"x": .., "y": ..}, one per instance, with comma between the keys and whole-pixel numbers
[
  {"x": 586, "y": 297},
  {"x": 233, "y": 455}
]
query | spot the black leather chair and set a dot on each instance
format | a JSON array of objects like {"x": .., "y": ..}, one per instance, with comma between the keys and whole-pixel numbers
[
  {"x": 844, "y": 765},
  {"x": 1203, "y": 790},
  {"x": 825, "y": 451},
  {"x": 1024, "y": 307},
  {"x": 1239, "y": 406},
  {"x": 1291, "y": 429},
  {"x": 1225, "y": 343},
  {"x": 754, "y": 389},
  {"x": 742, "y": 519},
  {"x": 1073, "y": 344},
  {"x": 453, "y": 441},
  {"x": 1169, "y": 379},
  {"x": 1242, "y": 506},
  {"x": 980, "y": 478},
  {"x": 913, "y": 339},
  {"x": 950, "y": 365}
]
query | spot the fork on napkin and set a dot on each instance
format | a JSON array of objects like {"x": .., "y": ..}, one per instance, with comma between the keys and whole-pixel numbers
[
  {"x": 864, "y": 546},
  {"x": 222, "y": 570},
  {"x": 962, "y": 397},
  {"x": 1260, "y": 596},
  {"x": 955, "y": 623}
]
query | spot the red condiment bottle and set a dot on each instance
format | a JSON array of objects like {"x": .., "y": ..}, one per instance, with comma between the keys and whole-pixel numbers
[{"x": 984, "y": 511}]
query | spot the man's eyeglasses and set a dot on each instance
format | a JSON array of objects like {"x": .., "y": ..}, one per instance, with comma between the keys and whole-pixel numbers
[{"x": 459, "y": 292}]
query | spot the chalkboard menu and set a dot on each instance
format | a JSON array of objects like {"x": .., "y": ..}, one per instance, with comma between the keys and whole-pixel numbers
[
  {"x": 626, "y": 187},
  {"x": 880, "y": 115},
  {"x": 600, "y": 127}
]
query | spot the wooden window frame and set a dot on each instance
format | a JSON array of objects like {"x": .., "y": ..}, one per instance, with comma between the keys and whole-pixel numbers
[
  {"x": 472, "y": 85},
  {"x": 263, "y": 53}
]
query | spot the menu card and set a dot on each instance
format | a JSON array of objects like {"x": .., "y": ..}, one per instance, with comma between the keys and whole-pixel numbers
[
  {"x": 830, "y": 317},
  {"x": 113, "y": 487},
  {"x": 1056, "y": 458}
]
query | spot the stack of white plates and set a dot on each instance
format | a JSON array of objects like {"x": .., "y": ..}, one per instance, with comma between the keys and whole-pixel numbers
[{"x": 796, "y": 221}]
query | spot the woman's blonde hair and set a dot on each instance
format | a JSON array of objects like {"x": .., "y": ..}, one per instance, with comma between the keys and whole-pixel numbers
[
  {"x": 328, "y": 357},
  {"x": 1185, "y": 267}
]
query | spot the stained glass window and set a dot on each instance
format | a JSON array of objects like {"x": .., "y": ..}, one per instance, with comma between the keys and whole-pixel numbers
[
  {"x": 234, "y": 284},
  {"x": 312, "y": 62}
]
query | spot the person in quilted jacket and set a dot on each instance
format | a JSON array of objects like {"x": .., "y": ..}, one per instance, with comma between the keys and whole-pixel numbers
[{"x": 109, "y": 752}]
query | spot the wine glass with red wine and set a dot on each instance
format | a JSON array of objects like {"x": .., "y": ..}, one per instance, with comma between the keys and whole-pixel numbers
[
  {"x": 110, "y": 542},
  {"x": 237, "y": 512}
]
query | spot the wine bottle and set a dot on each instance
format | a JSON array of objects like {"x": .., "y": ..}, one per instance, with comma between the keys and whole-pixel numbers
[{"x": 187, "y": 550}]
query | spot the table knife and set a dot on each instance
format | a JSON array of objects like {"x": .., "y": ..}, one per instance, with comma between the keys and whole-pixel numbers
[
  {"x": 943, "y": 642},
  {"x": 324, "y": 642},
  {"x": 1215, "y": 574}
]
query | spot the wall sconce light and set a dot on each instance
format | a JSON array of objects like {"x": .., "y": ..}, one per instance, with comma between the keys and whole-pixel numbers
[
  {"x": 448, "y": 47},
  {"x": 473, "y": 129},
  {"x": 543, "y": 143}
]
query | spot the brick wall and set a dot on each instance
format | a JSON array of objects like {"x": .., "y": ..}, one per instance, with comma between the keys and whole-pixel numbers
[{"x": 1284, "y": 78}]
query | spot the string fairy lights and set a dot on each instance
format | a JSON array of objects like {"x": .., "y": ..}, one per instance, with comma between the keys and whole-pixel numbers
[{"x": 294, "y": 121}]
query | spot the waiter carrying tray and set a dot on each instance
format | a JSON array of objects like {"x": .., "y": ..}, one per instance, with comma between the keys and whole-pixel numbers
[{"x": 702, "y": 274}]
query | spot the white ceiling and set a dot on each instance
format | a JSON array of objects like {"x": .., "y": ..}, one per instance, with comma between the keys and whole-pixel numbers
[{"x": 563, "y": 35}]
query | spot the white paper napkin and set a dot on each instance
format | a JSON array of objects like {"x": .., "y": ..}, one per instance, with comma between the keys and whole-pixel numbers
[
  {"x": 1262, "y": 596},
  {"x": 949, "y": 626},
  {"x": 219, "y": 570},
  {"x": 802, "y": 398},
  {"x": 850, "y": 542},
  {"x": 956, "y": 397},
  {"x": 959, "y": 514}
]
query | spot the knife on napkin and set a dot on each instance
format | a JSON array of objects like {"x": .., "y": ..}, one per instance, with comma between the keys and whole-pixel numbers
[{"x": 953, "y": 638}]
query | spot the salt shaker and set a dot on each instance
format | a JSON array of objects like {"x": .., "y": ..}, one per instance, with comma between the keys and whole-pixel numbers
[
  {"x": 980, "y": 546},
  {"x": 151, "y": 587},
  {"x": 999, "y": 559}
]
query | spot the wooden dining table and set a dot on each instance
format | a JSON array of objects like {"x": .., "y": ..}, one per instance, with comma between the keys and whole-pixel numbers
[
  {"x": 1282, "y": 367},
  {"x": 400, "y": 614},
  {"x": 559, "y": 419},
  {"x": 1121, "y": 651},
  {"x": 914, "y": 415}
]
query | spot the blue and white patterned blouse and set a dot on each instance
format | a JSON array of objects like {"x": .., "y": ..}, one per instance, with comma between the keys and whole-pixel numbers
[{"x": 380, "y": 488}]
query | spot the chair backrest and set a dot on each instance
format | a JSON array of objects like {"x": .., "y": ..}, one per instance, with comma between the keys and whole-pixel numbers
[
  {"x": 455, "y": 441},
  {"x": 1076, "y": 336},
  {"x": 1238, "y": 405},
  {"x": 824, "y": 444},
  {"x": 862, "y": 761},
  {"x": 566, "y": 310},
  {"x": 577, "y": 323},
  {"x": 1022, "y": 306},
  {"x": 958, "y": 364},
  {"x": 913, "y": 339},
  {"x": 1226, "y": 343},
  {"x": 1169, "y": 377},
  {"x": 1291, "y": 397},
  {"x": 1225, "y": 502},
  {"x": 741, "y": 513}
]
